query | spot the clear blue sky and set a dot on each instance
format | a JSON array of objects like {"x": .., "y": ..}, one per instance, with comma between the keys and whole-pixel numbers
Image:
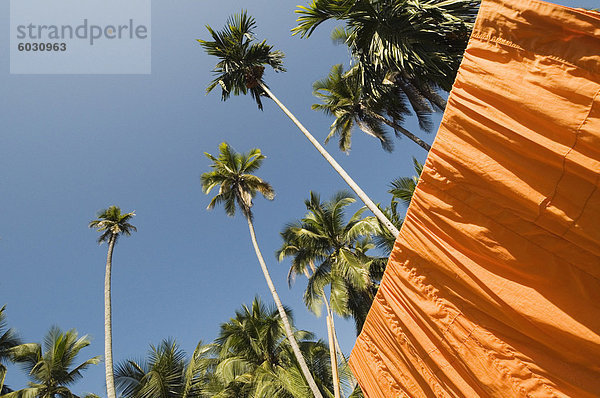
[{"x": 71, "y": 145}]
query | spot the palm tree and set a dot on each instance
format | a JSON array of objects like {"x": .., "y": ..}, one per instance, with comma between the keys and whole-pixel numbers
[
  {"x": 52, "y": 366},
  {"x": 256, "y": 359},
  {"x": 166, "y": 373},
  {"x": 414, "y": 44},
  {"x": 240, "y": 70},
  {"x": 343, "y": 97},
  {"x": 388, "y": 89},
  {"x": 304, "y": 252},
  {"x": 112, "y": 224},
  {"x": 237, "y": 187},
  {"x": 8, "y": 340},
  {"x": 293, "y": 248},
  {"x": 339, "y": 251}
]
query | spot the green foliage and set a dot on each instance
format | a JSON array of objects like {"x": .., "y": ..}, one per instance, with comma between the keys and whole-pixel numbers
[
  {"x": 251, "y": 357},
  {"x": 8, "y": 340},
  {"x": 422, "y": 40},
  {"x": 342, "y": 97},
  {"x": 51, "y": 366},
  {"x": 402, "y": 190},
  {"x": 166, "y": 373},
  {"x": 338, "y": 251},
  {"x": 231, "y": 172},
  {"x": 241, "y": 60},
  {"x": 256, "y": 360},
  {"x": 112, "y": 224}
]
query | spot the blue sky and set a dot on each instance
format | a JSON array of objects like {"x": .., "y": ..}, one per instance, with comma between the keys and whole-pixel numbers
[{"x": 71, "y": 145}]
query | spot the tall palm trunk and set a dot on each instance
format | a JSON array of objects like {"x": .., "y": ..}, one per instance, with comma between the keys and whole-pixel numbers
[
  {"x": 286, "y": 324},
  {"x": 330, "y": 337},
  {"x": 340, "y": 354},
  {"x": 361, "y": 194},
  {"x": 108, "y": 361},
  {"x": 333, "y": 357}
]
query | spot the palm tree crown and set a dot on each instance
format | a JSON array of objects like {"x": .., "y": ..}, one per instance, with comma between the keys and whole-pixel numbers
[
  {"x": 232, "y": 174},
  {"x": 423, "y": 40},
  {"x": 52, "y": 365},
  {"x": 339, "y": 251},
  {"x": 165, "y": 373},
  {"x": 112, "y": 224},
  {"x": 256, "y": 360},
  {"x": 343, "y": 98},
  {"x": 241, "y": 60}
]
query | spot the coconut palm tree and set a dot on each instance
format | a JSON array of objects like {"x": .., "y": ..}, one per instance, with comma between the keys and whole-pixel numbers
[
  {"x": 237, "y": 187},
  {"x": 339, "y": 251},
  {"x": 256, "y": 359},
  {"x": 241, "y": 70},
  {"x": 166, "y": 373},
  {"x": 294, "y": 248},
  {"x": 112, "y": 224},
  {"x": 343, "y": 97},
  {"x": 8, "y": 340},
  {"x": 416, "y": 45},
  {"x": 51, "y": 366},
  {"x": 303, "y": 246}
]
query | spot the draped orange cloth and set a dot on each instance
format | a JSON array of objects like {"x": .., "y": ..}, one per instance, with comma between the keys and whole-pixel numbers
[{"x": 493, "y": 286}]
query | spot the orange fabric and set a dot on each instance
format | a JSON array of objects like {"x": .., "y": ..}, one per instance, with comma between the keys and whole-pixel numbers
[{"x": 493, "y": 286}]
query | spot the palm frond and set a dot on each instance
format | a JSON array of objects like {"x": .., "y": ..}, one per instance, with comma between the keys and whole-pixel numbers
[
  {"x": 419, "y": 42},
  {"x": 237, "y": 187},
  {"x": 242, "y": 60},
  {"x": 112, "y": 223},
  {"x": 50, "y": 365}
]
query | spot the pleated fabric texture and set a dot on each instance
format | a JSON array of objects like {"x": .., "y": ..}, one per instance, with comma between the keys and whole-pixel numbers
[{"x": 493, "y": 289}]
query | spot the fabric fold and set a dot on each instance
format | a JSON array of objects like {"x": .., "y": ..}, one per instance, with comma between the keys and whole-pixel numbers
[{"x": 493, "y": 286}]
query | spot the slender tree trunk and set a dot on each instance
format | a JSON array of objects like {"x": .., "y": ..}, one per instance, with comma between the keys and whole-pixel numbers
[
  {"x": 331, "y": 338},
  {"x": 286, "y": 324},
  {"x": 361, "y": 194},
  {"x": 333, "y": 358},
  {"x": 399, "y": 128},
  {"x": 340, "y": 353},
  {"x": 108, "y": 361},
  {"x": 334, "y": 342}
]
